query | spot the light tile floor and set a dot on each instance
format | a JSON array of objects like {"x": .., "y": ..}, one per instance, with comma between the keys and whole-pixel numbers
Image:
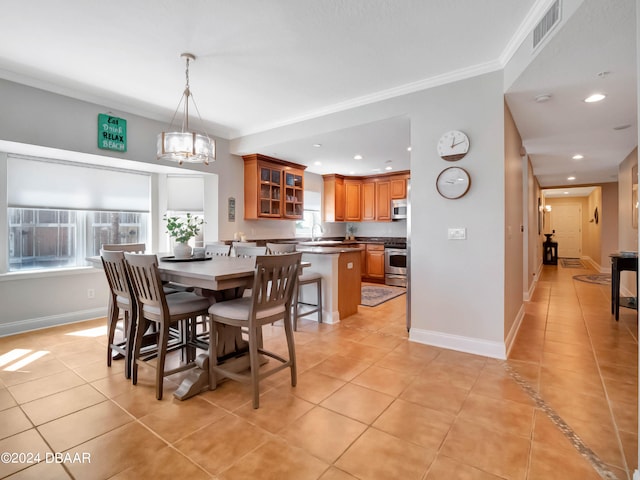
[{"x": 369, "y": 404}]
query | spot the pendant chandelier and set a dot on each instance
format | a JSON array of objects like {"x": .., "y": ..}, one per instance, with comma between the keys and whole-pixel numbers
[{"x": 186, "y": 146}]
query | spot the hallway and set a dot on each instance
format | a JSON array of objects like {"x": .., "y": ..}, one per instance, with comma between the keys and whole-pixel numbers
[
  {"x": 369, "y": 404},
  {"x": 583, "y": 364}
]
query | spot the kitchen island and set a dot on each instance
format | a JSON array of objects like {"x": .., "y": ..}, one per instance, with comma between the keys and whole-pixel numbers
[{"x": 341, "y": 284}]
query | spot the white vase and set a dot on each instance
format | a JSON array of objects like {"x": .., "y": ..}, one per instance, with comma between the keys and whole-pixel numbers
[{"x": 182, "y": 250}]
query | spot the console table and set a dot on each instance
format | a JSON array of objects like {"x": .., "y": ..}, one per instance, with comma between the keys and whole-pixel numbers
[{"x": 620, "y": 262}]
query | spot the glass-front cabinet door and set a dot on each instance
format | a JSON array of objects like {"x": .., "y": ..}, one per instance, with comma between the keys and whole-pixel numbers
[
  {"x": 294, "y": 190},
  {"x": 270, "y": 191}
]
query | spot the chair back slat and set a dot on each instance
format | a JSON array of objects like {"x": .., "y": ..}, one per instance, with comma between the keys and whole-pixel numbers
[{"x": 124, "y": 247}]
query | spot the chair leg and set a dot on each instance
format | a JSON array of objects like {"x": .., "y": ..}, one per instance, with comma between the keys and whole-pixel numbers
[
  {"x": 129, "y": 322},
  {"x": 292, "y": 352},
  {"x": 296, "y": 299},
  {"x": 162, "y": 354},
  {"x": 255, "y": 366},
  {"x": 213, "y": 349},
  {"x": 141, "y": 327},
  {"x": 111, "y": 329},
  {"x": 319, "y": 284}
]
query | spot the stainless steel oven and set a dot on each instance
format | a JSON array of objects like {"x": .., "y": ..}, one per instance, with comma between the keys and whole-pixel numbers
[{"x": 395, "y": 266}]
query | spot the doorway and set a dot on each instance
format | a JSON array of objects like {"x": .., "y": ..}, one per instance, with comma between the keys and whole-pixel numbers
[{"x": 566, "y": 221}]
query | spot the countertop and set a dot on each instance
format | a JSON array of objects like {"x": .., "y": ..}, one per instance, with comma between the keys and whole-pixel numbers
[{"x": 326, "y": 250}]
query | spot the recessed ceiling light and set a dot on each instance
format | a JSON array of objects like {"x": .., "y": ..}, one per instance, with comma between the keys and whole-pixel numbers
[
  {"x": 375, "y": 170},
  {"x": 357, "y": 157},
  {"x": 408, "y": 149},
  {"x": 317, "y": 145},
  {"x": 388, "y": 168},
  {"x": 571, "y": 178},
  {"x": 578, "y": 157},
  {"x": 543, "y": 97},
  {"x": 353, "y": 173},
  {"x": 318, "y": 163},
  {"x": 596, "y": 97}
]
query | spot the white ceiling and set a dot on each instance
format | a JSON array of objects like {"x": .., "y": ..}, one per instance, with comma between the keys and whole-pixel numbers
[{"x": 266, "y": 64}]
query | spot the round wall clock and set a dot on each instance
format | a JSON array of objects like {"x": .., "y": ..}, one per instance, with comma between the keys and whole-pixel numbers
[
  {"x": 453, "y": 182},
  {"x": 453, "y": 145}
]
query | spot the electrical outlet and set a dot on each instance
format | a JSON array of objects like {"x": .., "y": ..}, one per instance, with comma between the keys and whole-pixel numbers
[
  {"x": 91, "y": 293},
  {"x": 457, "y": 233}
]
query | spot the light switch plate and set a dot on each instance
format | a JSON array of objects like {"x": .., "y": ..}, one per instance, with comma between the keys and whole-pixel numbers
[{"x": 459, "y": 233}]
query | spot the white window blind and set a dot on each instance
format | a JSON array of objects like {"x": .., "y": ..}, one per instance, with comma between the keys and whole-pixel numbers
[
  {"x": 185, "y": 193},
  {"x": 312, "y": 200},
  {"x": 41, "y": 183}
]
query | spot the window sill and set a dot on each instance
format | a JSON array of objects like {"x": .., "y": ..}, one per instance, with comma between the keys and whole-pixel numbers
[{"x": 58, "y": 272}]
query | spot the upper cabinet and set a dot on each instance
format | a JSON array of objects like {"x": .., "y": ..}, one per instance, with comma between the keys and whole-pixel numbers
[
  {"x": 273, "y": 188},
  {"x": 398, "y": 186},
  {"x": 362, "y": 199},
  {"x": 352, "y": 196},
  {"x": 334, "y": 198}
]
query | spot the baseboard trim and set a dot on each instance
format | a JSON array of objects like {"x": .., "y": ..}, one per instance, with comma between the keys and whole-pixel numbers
[
  {"x": 21, "y": 326},
  {"x": 449, "y": 341},
  {"x": 513, "y": 332}
]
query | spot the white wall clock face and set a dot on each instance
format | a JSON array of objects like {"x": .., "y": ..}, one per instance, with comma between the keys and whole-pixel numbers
[
  {"x": 453, "y": 145},
  {"x": 453, "y": 182}
]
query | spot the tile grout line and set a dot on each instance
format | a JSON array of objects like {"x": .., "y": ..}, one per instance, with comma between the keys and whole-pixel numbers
[
  {"x": 567, "y": 431},
  {"x": 606, "y": 392}
]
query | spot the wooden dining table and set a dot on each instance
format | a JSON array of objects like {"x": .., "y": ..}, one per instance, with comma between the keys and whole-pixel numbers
[{"x": 223, "y": 278}]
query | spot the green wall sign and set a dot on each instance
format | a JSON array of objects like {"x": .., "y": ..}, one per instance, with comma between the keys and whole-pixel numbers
[{"x": 112, "y": 133}]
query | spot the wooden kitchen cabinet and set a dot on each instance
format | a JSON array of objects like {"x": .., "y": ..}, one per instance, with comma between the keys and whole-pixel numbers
[
  {"x": 398, "y": 186},
  {"x": 362, "y": 199},
  {"x": 383, "y": 201},
  {"x": 273, "y": 188},
  {"x": 353, "y": 206},
  {"x": 375, "y": 262},
  {"x": 293, "y": 193},
  {"x": 334, "y": 198},
  {"x": 368, "y": 201}
]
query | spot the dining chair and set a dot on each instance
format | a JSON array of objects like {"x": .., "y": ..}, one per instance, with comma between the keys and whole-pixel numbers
[
  {"x": 178, "y": 309},
  {"x": 245, "y": 251},
  {"x": 216, "y": 249},
  {"x": 122, "y": 299},
  {"x": 278, "y": 248},
  {"x": 274, "y": 284}
]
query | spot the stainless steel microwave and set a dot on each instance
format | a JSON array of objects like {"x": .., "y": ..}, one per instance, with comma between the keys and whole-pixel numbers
[{"x": 399, "y": 209}]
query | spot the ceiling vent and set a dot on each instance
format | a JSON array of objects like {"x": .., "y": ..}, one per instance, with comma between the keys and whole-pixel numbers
[{"x": 548, "y": 22}]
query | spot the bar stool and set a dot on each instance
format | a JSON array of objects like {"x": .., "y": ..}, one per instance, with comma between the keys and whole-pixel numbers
[{"x": 308, "y": 279}]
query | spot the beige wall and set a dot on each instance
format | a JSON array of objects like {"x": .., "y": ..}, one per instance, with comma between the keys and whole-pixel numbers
[
  {"x": 609, "y": 221},
  {"x": 514, "y": 223},
  {"x": 591, "y": 233}
]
